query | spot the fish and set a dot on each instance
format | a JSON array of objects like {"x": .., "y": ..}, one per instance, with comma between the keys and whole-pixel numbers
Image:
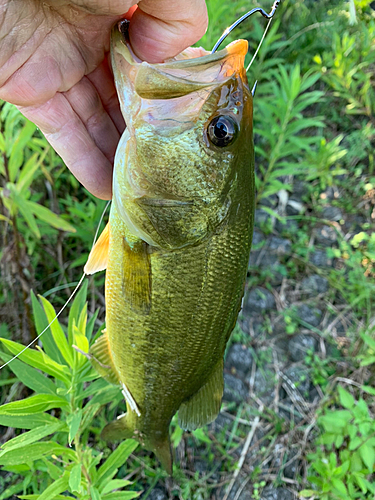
[{"x": 177, "y": 244}]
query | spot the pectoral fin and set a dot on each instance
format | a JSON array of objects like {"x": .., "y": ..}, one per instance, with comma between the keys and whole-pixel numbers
[
  {"x": 137, "y": 276},
  {"x": 204, "y": 406},
  {"x": 101, "y": 359},
  {"x": 98, "y": 257}
]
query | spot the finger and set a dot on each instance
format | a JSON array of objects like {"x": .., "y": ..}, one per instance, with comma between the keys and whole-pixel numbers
[
  {"x": 160, "y": 29},
  {"x": 54, "y": 60},
  {"x": 68, "y": 135},
  {"x": 85, "y": 101},
  {"x": 112, "y": 7},
  {"x": 56, "y": 65},
  {"x": 102, "y": 79}
]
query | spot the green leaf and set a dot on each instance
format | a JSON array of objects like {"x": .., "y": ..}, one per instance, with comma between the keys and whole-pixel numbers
[
  {"x": 94, "y": 388},
  {"x": 82, "y": 320},
  {"x": 36, "y": 497},
  {"x": 75, "y": 310},
  {"x": 361, "y": 410},
  {"x": 29, "y": 376},
  {"x": 56, "y": 487},
  {"x": 355, "y": 442},
  {"x": 105, "y": 396},
  {"x": 368, "y": 456},
  {"x": 57, "y": 331},
  {"x": 29, "y": 168},
  {"x": 74, "y": 421},
  {"x": 368, "y": 340},
  {"x": 12, "y": 490},
  {"x": 30, "y": 437},
  {"x": 368, "y": 389},
  {"x": 20, "y": 203},
  {"x": 41, "y": 323},
  {"x": 309, "y": 80},
  {"x": 35, "y": 452},
  {"x": 95, "y": 495},
  {"x": 91, "y": 324},
  {"x": 339, "y": 439},
  {"x": 8, "y": 381},
  {"x": 360, "y": 481},
  {"x": 346, "y": 399},
  {"x": 201, "y": 436},
  {"x": 336, "y": 420},
  {"x": 122, "y": 495},
  {"x": 80, "y": 341},
  {"x": 38, "y": 360},
  {"x": 17, "y": 154},
  {"x": 116, "y": 460},
  {"x": 28, "y": 421},
  {"x": 34, "y": 404},
  {"x": 88, "y": 415},
  {"x": 339, "y": 486},
  {"x": 75, "y": 478},
  {"x": 53, "y": 471},
  {"x": 46, "y": 215},
  {"x": 2, "y": 143},
  {"x": 115, "y": 484},
  {"x": 368, "y": 360}
]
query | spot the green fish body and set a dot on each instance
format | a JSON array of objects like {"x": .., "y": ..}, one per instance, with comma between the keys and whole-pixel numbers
[{"x": 177, "y": 245}]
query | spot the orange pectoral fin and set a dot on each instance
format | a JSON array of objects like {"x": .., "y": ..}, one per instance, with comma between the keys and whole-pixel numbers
[{"x": 98, "y": 257}]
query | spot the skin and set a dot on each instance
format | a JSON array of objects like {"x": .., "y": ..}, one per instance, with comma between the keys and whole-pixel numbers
[{"x": 54, "y": 67}]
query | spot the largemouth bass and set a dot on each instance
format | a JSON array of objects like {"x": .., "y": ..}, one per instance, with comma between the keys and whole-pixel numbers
[{"x": 177, "y": 244}]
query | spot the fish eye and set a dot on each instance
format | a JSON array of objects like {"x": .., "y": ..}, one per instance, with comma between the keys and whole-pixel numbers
[{"x": 222, "y": 130}]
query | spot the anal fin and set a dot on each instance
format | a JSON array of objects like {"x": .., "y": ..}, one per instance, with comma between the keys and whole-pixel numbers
[
  {"x": 204, "y": 406},
  {"x": 101, "y": 359},
  {"x": 117, "y": 430},
  {"x": 98, "y": 257}
]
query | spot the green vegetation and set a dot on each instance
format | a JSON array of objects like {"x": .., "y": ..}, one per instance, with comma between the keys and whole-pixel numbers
[
  {"x": 74, "y": 467},
  {"x": 314, "y": 127}
]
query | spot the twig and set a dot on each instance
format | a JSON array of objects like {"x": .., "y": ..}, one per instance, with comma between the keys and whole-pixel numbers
[
  {"x": 241, "y": 488},
  {"x": 243, "y": 453}
]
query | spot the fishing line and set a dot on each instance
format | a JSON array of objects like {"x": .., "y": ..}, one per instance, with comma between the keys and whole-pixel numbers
[
  {"x": 260, "y": 44},
  {"x": 241, "y": 19},
  {"x": 67, "y": 302}
]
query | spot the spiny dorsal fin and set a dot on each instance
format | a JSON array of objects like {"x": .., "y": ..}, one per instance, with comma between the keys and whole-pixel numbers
[{"x": 98, "y": 257}]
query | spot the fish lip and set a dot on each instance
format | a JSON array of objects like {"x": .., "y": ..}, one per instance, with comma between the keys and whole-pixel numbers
[{"x": 188, "y": 57}]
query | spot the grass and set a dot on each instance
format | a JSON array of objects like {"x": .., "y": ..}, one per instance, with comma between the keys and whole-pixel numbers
[{"x": 314, "y": 124}]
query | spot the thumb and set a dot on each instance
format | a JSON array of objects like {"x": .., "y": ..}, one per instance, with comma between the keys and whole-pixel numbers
[{"x": 160, "y": 29}]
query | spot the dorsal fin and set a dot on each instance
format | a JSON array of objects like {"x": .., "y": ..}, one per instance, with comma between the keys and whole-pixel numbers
[{"x": 98, "y": 257}]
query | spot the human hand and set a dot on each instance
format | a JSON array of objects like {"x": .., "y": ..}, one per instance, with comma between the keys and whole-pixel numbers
[{"x": 53, "y": 66}]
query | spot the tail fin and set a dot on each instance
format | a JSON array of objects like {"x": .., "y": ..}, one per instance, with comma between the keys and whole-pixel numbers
[
  {"x": 123, "y": 429},
  {"x": 163, "y": 452}
]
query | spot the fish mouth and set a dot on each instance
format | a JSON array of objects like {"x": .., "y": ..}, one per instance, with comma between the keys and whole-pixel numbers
[{"x": 190, "y": 71}]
